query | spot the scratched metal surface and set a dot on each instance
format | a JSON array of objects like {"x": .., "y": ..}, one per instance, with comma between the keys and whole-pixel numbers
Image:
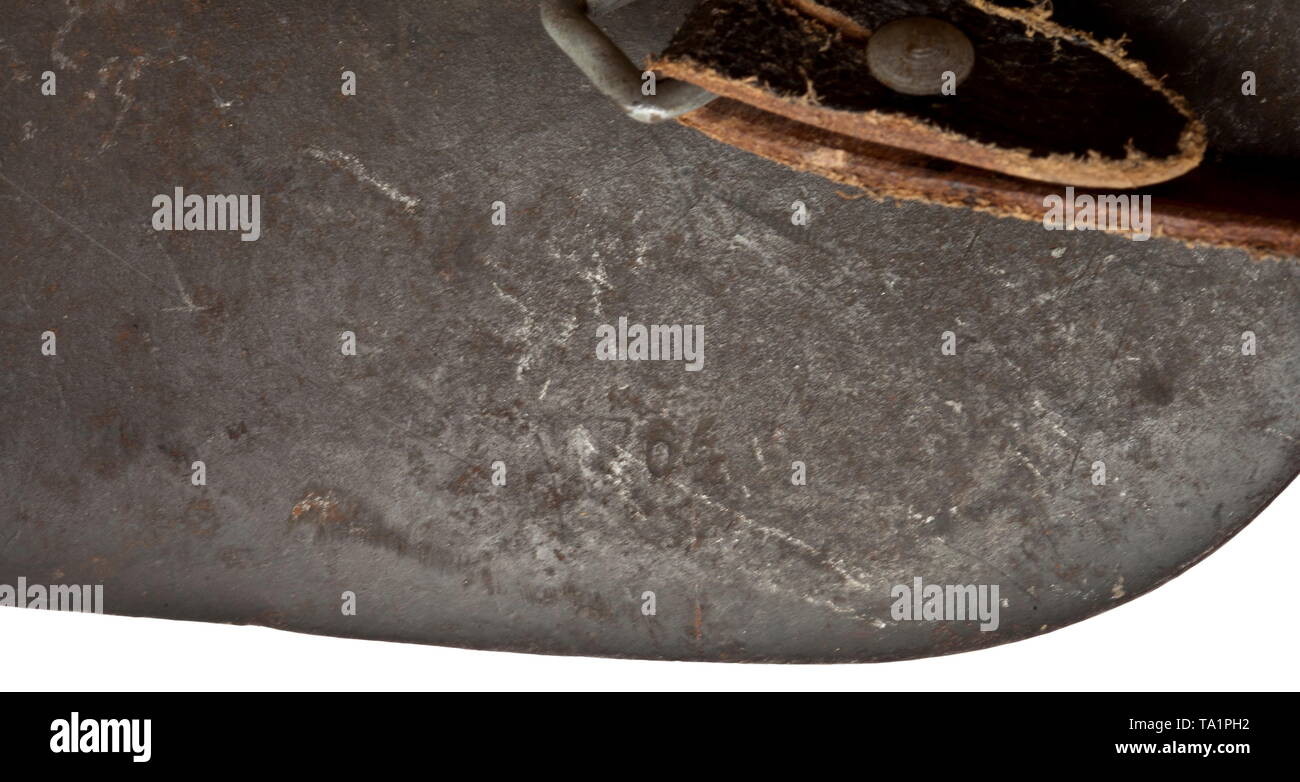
[{"x": 477, "y": 344}]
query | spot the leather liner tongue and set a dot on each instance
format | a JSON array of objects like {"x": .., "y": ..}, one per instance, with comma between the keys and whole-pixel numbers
[{"x": 1043, "y": 102}]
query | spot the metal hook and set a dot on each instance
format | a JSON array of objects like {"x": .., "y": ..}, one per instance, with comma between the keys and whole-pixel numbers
[{"x": 568, "y": 24}]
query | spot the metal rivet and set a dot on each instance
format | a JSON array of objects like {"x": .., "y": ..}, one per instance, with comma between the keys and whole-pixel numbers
[{"x": 911, "y": 55}]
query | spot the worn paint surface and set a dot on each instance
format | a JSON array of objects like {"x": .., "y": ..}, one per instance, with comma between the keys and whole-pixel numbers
[{"x": 476, "y": 343}]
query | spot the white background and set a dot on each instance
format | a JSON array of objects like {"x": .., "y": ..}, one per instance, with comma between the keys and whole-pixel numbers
[{"x": 1230, "y": 623}]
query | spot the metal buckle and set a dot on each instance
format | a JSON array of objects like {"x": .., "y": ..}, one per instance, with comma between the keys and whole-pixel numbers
[{"x": 568, "y": 24}]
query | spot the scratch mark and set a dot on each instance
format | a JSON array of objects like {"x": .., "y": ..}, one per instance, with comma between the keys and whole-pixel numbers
[
  {"x": 354, "y": 167},
  {"x": 599, "y": 281},
  {"x": 834, "y": 565},
  {"x": 521, "y": 332},
  {"x": 82, "y": 233},
  {"x": 188, "y": 305},
  {"x": 1032, "y": 467},
  {"x": 75, "y": 12}
]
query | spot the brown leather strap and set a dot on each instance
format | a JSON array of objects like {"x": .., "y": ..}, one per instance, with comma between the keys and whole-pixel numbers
[
  {"x": 1203, "y": 210},
  {"x": 1043, "y": 104}
]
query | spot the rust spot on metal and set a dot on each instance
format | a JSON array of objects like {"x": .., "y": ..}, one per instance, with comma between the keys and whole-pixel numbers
[
  {"x": 321, "y": 508},
  {"x": 465, "y": 482}
]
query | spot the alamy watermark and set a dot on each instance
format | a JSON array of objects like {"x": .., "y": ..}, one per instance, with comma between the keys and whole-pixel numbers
[
  {"x": 638, "y": 342},
  {"x": 1120, "y": 213},
  {"x": 78, "y": 734},
  {"x": 921, "y": 602},
  {"x": 86, "y": 598},
  {"x": 180, "y": 212}
]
